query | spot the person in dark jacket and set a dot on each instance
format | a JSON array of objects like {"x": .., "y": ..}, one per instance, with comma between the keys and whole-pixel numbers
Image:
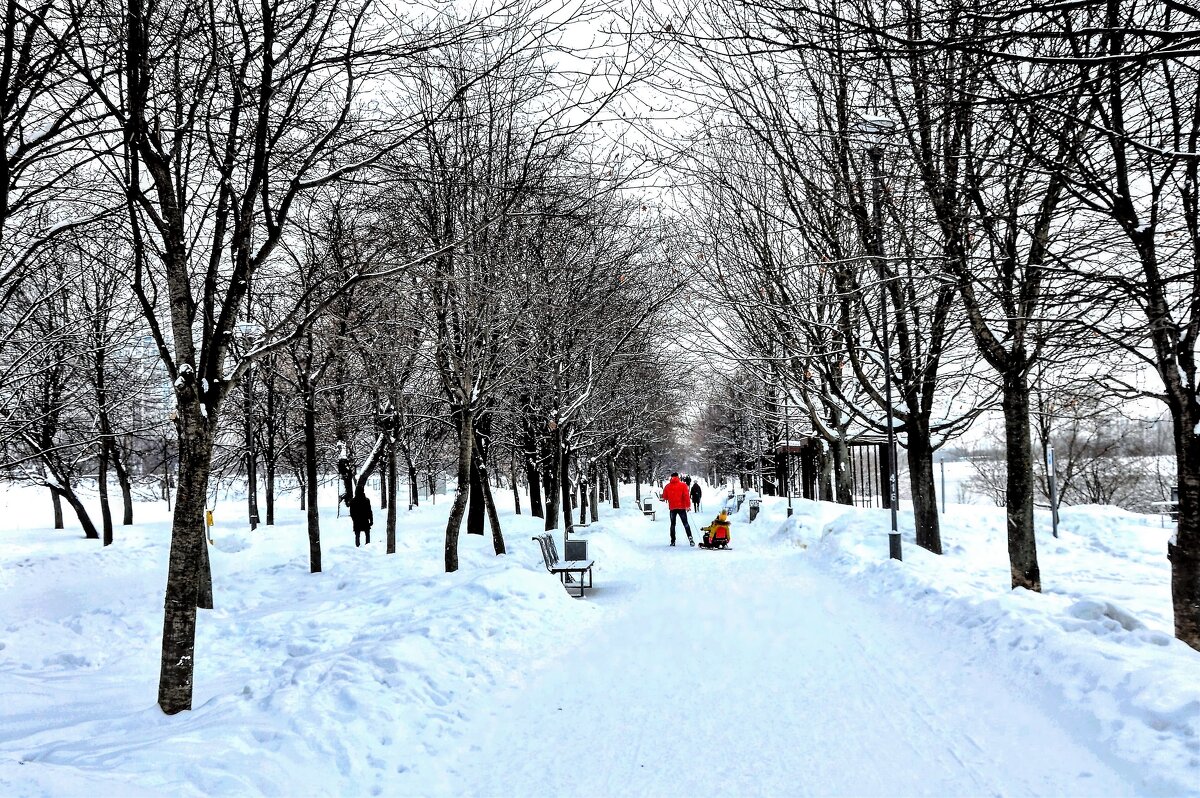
[
  {"x": 362, "y": 517},
  {"x": 696, "y": 494},
  {"x": 676, "y": 495}
]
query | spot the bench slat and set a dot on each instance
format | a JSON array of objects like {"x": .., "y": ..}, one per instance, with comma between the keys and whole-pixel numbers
[{"x": 570, "y": 567}]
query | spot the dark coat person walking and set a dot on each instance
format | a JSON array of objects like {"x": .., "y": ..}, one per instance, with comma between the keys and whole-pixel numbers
[
  {"x": 696, "y": 494},
  {"x": 678, "y": 500},
  {"x": 362, "y": 517}
]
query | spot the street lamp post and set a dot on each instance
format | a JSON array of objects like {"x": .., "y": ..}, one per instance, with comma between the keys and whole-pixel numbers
[{"x": 875, "y": 127}]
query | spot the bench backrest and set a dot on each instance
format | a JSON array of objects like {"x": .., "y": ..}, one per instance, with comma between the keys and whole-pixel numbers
[
  {"x": 575, "y": 550},
  {"x": 549, "y": 553}
]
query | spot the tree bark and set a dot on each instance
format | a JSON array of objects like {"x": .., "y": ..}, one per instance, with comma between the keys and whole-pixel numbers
[
  {"x": 564, "y": 482},
  {"x": 493, "y": 516},
  {"x": 81, "y": 513},
  {"x": 921, "y": 483},
  {"x": 1183, "y": 550},
  {"x": 843, "y": 481},
  {"x": 466, "y": 446},
  {"x": 58, "y": 511},
  {"x": 594, "y": 491},
  {"x": 125, "y": 483},
  {"x": 554, "y": 493},
  {"x": 270, "y": 455},
  {"x": 384, "y": 493},
  {"x": 312, "y": 510},
  {"x": 251, "y": 453},
  {"x": 637, "y": 476},
  {"x": 534, "y": 478},
  {"x": 475, "y": 513},
  {"x": 516, "y": 488},
  {"x": 613, "y": 483},
  {"x": 583, "y": 500},
  {"x": 390, "y": 496},
  {"x": 1022, "y": 545},
  {"x": 106, "y": 520},
  {"x": 824, "y": 467},
  {"x": 189, "y": 580}
]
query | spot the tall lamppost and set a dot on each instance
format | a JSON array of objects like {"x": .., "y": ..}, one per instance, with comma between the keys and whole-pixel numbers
[{"x": 875, "y": 128}]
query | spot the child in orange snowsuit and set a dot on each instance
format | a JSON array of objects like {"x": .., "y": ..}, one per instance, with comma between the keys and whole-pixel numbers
[{"x": 716, "y": 534}]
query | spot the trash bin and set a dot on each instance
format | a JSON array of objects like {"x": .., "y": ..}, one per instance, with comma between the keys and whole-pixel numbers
[{"x": 754, "y": 505}]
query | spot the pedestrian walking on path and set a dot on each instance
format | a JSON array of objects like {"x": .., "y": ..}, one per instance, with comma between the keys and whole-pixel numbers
[
  {"x": 679, "y": 501},
  {"x": 696, "y": 494},
  {"x": 362, "y": 517}
]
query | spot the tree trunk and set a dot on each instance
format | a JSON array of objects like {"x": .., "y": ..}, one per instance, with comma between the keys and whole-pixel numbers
[
  {"x": 516, "y": 488},
  {"x": 1183, "y": 549},
  {"x": 824, "y": 472},
  {"x": 106, "y": 520},
  {"x": 125, "y": 483},
  {"x": 466, "y": 446},
  {"x": 389, "y": 496},
  {"x": 310, "y": 480},
  {"x": 582, "y": 501},
  {"x": 534, "y": 478},
  {"x": 1022, "y": 545},
  {"x": 270, "y": 455},
  {"x": 251, "y": 453},
  {"x": 637, "y": 476},
  {"x": 843, "y": 480},
  {"x": 414, "y": 484},
  {"x": 493, "y": 516},
  {"x": 189, "y": 580},
  {"x": 166, "y": 481},
  {"x": 475, "y": 513},
  {"x": 554, "y": 492},
  {"x": 106, "y": 437},
  {"x": 920, "y": 481},
  {"x": 594, "y": 491},
  {"x": 613, "y": 483},
  {"x": 384, "y": 493},
  {"x": 270, "y": 488},
  {"x": 564, "y": 483},
  {"x": 58, "y": 511},
  {"x": 81, "y": 513}
]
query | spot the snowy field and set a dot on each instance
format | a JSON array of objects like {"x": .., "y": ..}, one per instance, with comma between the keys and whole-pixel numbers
[{"x": 803, "y": 662}]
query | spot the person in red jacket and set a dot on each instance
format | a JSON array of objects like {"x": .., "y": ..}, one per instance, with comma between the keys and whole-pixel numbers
[{"x": 679, "y": 500}]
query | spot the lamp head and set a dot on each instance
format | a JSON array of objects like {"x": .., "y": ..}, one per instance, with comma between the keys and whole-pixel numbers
[{"x": 875, "y": 127}]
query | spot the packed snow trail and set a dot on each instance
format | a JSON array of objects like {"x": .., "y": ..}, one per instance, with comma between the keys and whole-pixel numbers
[{"x": 728, "y": 673}]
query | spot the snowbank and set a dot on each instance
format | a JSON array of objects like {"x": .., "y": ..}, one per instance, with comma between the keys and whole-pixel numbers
[
  {"x": 353, "y": 681},
  {"x": 1100, "y": 635}
]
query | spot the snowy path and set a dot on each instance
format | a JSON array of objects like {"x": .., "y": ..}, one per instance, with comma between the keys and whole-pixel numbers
[{"x": 793, "y": 685}]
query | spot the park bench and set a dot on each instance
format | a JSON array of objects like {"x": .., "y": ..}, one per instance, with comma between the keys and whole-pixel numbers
[
  {"x": 576, "y": 563},
  {"x": 1169, "y": 509},
  {"x": 648, "y": 509}
]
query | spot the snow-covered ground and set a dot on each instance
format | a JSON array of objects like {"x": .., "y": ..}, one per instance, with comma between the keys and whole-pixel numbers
[{"x": 801, "y": 662}]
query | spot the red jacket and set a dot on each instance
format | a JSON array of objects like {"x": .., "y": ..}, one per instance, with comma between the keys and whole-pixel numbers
[{"x": 676, "y": 495}]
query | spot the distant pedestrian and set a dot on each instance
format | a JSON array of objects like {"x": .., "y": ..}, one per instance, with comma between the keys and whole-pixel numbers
[
  {"x": 696, "y": 494},
  {"x": 362, "y": 517},
  {"x": 678, "y": 500}
]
